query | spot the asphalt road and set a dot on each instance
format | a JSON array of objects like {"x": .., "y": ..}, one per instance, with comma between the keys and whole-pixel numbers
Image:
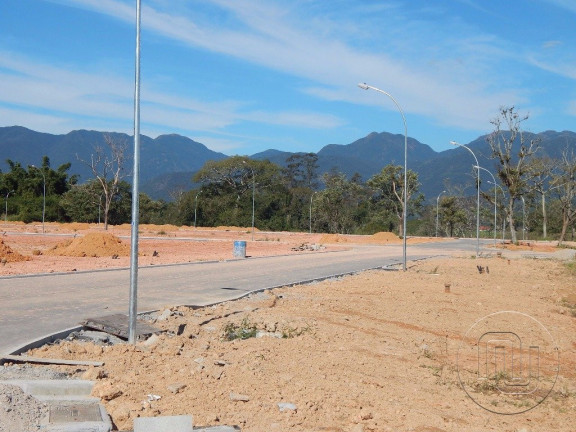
[{"x": 34, "y": 306}]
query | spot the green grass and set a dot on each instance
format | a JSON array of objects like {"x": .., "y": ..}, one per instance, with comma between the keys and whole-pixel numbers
[{"x": 244, "y": 330}]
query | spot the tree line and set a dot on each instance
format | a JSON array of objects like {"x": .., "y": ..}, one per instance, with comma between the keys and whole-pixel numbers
[{"x": 533, "y": 193}]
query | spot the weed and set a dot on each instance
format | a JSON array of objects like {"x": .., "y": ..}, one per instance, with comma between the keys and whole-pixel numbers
[
  {"x": 571, "y": 267},
  {"x": 244, "y": 330},
  {"x": 291, "y": 332},
  {"x": 428, "y": 354},
  {"x": 162, "y": 233},
  {"x": 435, "y": 271}
]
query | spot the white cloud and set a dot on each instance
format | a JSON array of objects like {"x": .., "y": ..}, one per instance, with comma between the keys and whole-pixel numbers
[{"x": 278, "y": 38}]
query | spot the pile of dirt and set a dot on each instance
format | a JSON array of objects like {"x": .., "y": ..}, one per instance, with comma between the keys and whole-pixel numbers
[
  {"x": 377, "y": 238},
  {"x": 373, "y": 352},
  {"x": 9, "y": 255},
  {"x": 91, "y": 245},
  {"x": 19, "y": 411},
  {"x": 528, "y": 246},
  {"x": 385, "y": 237}
]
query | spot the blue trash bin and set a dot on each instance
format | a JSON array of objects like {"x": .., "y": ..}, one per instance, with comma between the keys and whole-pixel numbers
[{"x": 239, "y": 249}]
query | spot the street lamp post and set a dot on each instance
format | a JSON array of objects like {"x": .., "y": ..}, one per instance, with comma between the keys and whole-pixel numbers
[
  {"x": 365, "y": 86},
  {"x": 311, "y": 196},
  {"x": 523, "y": 218},
  {"x": 196, "y": 207},
  {"x": 437, "y": 201},
  {"x": 477, "y": 198},
  {"x": 484, "y": 169},
  {"x": 43, "y": 197},
  {"x": 253, "y": 193},
  {"x": 6, "y": 211},
  {"x": 503, "y": 218},
  {"x": 133, "y": 304}
]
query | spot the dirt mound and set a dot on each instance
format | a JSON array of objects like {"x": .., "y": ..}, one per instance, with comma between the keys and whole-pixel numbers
[
  {"x": 379, "y": 238},
  {"x": 8, "y": 255},
  {"x": 91, "y": 245},
  {"x": 384, "y": 237}
]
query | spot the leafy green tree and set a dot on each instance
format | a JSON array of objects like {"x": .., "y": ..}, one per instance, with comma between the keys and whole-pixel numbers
[
  {"x": 388, "y": 186},
  {"x": 337, "y": 206},
  {"x": 81, "y": 202},
  {"x": 451, "y": 214},
  {"x": 228, "y": 186},
  {"x": 302, "y": 171}
]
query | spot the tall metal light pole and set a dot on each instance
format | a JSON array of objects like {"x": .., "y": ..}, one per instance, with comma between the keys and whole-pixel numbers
[
  {"x": 503, "y": 218},
  {"x": 523, "y": 218},
  {"x": 478, "y": 196},
  {"x": 365, "y": 86},
  {"x": 6, "y": 211},
  {"x": 484, "y": 169},
  {"x": 311, "y": 196},
  {"x": 43, "y": 196},
  {"x": 196, "y": 206},
  {"x": 133, "y": 308},
  {"x": 253, "y": 193},
  {"x": 437, "y": 201}
]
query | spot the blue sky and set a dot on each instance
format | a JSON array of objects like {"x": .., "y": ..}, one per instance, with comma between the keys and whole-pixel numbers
[{"x": 243, "y": 76}]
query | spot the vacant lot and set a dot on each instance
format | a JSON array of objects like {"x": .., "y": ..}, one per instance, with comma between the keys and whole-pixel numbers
[{"x": 378, "y": 351}]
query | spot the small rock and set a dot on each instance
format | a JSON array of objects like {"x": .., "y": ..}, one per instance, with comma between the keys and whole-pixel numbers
[
  {"x": 151, "y": 341},
  {"x": 94, "y": 373},
  {"x": 239, "y": 397},
  {"x": 164, "y": 315},
  {"x": 108, "y": 392},
  {"x": 285, "y": 406},
  {"x": 176, "y": 387},
  {"x": 366, "y": 415}
]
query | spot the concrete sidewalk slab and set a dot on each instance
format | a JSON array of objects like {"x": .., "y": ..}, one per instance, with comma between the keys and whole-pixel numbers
[
  {"x": 182, "y": 423},
  {"x": 71, "y": 408}
]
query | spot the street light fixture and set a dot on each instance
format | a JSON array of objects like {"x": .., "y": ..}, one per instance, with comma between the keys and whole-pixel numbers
[
  {"x": 311, "y": 196},
  {"x": 365, "y": 86},
  {"x": 43, "y": 197},
  {"x": 437, "y": 201},
  {"x": 477, "y": 198},
  {"x": 503, "y": 218},
  {"x": 196, "y": 207},
  {"x": 484, "y": 169},
  {"x": 6, "y": 211},
  {"x": 253, "y": 193}
]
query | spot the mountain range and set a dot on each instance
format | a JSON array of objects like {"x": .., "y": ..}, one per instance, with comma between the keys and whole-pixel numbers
[{"x": 168, "y": 162}]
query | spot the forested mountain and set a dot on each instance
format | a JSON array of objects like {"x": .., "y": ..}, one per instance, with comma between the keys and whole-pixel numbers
[{"x": 168, "y": 162}]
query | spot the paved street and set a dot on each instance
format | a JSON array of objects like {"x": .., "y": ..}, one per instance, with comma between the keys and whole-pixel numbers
[{"x": 35, "y": 306}]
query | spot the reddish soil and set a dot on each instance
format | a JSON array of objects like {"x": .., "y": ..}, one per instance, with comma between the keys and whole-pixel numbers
[{"x": 378, "y": 351}]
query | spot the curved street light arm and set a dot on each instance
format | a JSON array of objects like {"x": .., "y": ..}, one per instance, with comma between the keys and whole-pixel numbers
[
  {"x": 477, "y": 196},
  {"x": 365, "y": 86}
]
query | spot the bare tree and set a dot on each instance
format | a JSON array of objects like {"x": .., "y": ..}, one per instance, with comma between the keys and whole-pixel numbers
[
  {"x": 513, "y": 169},
  {"x": 108, "y": 169},
  {"x": 542, "y": 169},
  {"x": 563, "y": 181}
]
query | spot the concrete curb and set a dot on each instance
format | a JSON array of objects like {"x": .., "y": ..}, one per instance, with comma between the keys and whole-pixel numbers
[{"x": 71, "y": 406}]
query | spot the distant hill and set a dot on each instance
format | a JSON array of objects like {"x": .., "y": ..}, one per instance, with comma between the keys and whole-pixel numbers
[
  {"x": 168, "y": 162},
  {"x": 159, "y": 157}
]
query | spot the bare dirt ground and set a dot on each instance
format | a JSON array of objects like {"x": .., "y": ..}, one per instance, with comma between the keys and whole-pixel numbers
[{"x": 378, "y": 351}]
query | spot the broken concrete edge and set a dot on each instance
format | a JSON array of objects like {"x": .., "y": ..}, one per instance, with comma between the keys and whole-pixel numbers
[
  {"x": 37, "y": 343},
  {"x": 51, "y": 338}
]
